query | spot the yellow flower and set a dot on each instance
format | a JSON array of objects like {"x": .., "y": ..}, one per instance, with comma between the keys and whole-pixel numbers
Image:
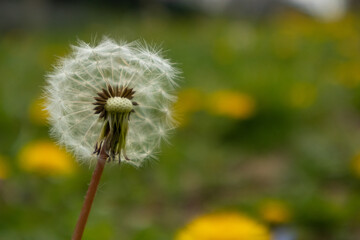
[
  {"x": 224, "y": 226},
  {"x": 303, "y": 94},
  {"x": 232, "y": 104},
  {"x": 45, "y": 158},
  {"x": 189, "y": 101},
  {"x": 37, "y": 113},
  {"x": 355, "y": 165},
  {"x": 4, "y": 169},
  {"x": 275, "y": 211}
]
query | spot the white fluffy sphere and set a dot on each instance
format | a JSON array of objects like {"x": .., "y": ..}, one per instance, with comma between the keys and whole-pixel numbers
[{"x": 77, "y": 79}]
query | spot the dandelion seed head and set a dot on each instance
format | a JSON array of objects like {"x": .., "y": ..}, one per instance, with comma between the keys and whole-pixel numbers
[{"x": 145, "y": 81}]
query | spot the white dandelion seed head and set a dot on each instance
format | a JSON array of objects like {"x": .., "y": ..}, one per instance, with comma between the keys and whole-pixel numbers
[{"x": 77, "y": 79}]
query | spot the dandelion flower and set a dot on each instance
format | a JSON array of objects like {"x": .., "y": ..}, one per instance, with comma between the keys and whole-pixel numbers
[
  {"x": 224, "y": 226},
  {"x": 46, "y": 158},
  {"x": 116, "y": 96},
  {"x": 232, "y": 104}
]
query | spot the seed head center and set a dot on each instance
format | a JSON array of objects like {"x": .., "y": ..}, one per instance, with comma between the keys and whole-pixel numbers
[{"x": 118, "y": 105}]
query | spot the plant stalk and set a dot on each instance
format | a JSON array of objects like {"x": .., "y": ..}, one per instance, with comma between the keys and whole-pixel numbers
[{"x": 90, "y": 195}]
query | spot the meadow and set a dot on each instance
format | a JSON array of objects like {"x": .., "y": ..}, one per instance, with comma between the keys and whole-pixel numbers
[{"x": 269, "y": 114}]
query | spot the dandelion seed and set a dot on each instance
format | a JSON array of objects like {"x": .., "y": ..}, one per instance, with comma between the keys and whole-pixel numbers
[{"x": 108, "y": 96}]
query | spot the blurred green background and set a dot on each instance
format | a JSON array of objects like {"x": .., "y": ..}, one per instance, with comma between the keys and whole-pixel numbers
[{"x": 269, "y": 107}]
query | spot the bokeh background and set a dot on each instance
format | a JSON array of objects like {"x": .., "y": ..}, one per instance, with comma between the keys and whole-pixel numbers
[{"x": 269, "y": 111}]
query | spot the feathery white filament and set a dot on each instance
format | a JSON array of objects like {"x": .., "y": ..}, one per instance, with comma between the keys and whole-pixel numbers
[{"x": 78, "y": 78}]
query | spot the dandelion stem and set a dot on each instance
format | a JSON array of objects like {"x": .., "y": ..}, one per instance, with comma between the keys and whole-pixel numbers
[{"x": 90, "y": 195}]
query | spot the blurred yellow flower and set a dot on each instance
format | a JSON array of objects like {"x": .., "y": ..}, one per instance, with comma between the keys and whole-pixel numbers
[
  {"x": 4, "y": 169},
  {"x": 224, "y": 226},
  {"x": 355, "y": 165},
  {"x": 45, "y": 158},
  {"x": 189, "y": 100},
  {"x": 232, "y": 104},
  {"x": 275, "y": 212},
  {"x": 303, "y": 94},
  {"x": 37, "y": 113}
]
